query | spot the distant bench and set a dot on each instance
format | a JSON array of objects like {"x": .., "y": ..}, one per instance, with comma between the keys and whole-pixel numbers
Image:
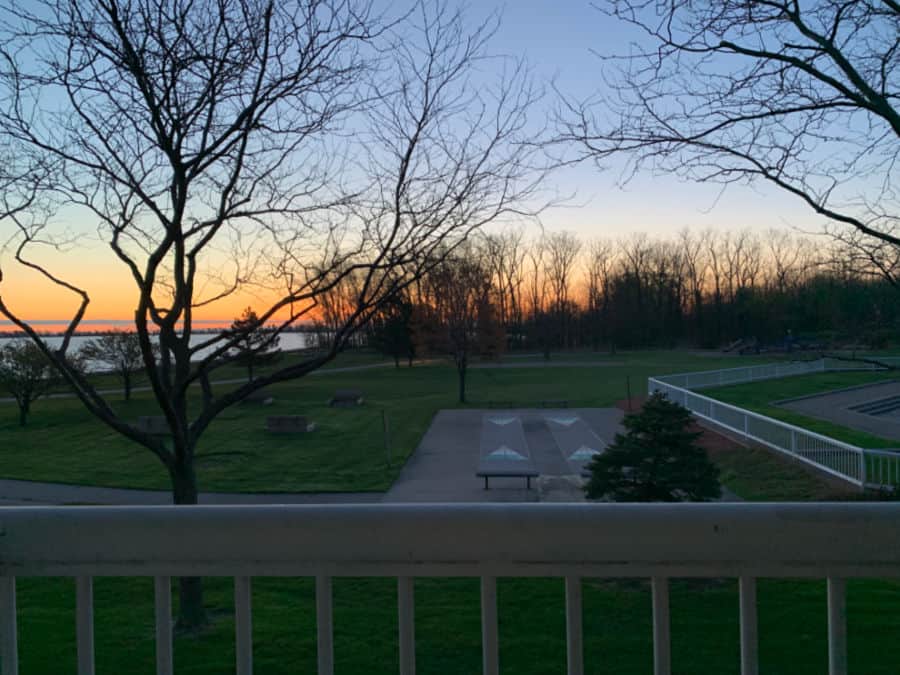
[
  {"x": 259, "y": 397},
  {"x": 346, "y": 398},
  {"x": 289, "y": 424},
  {"x": 487, "y": 474},
  {"x": 153, "y": 425},
  {"x": 555, "y": 403}
]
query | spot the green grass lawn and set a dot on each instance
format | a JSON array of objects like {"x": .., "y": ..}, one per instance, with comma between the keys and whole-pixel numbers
[
  {"x": 347, "y": 453},
  {"x": 617, "y": 624},
  {"x": 760, "y": 397}
]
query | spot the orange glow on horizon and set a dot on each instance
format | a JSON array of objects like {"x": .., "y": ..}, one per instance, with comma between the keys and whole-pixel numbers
[{"x": 113, "y": 296}]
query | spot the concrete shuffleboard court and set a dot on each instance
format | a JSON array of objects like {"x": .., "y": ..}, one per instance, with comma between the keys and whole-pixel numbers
[
  {"x": 873, "y": 408},
  {"x": 504, "y": 450},
  {"x": 445, "y": 465}
]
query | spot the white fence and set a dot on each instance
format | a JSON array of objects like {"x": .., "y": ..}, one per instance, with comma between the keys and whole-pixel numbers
[
  {"x": 859, "y": 466},
  {"x": 571, "y": 541}
]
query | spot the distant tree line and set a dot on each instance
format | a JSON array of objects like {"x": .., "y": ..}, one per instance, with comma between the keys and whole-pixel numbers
[{"x": 710, "y": 289}]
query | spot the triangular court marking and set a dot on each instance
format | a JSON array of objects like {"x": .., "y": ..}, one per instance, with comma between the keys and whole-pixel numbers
[
  {"x": 504, "y": 452},
  {"x": 584, "y": 453},
  {"x": 565, "y": 421},
  {"x": 502, "y": 421}
]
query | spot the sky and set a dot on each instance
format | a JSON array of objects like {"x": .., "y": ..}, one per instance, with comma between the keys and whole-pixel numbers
[{"x": 557, "y": 38}]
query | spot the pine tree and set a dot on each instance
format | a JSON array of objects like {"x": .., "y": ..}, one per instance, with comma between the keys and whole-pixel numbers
[{"x": 656, "y": 460}]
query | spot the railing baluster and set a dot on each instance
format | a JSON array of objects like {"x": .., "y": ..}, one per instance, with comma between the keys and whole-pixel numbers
[
  {"x": 749, "y": 634},
  {"x": 837, "y": 627},
  {"x": 84, "y": 624},
  {"x": 661, "y": 640},
  {"x": 324, "y": 625},
  {"x": 490, "y": 646},
  {"x": 162, "y": 591},
  {"x": 406, "y": 610},
  {"x": 243, "y": 626},
  {"x": 574, "y": 640},
  {"x": 9, "y": 647}
]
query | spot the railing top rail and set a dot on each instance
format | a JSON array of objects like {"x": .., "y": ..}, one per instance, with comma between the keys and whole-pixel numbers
[
  {"x": 765, "y": 418},
  {"x": 772, "y": 539},
  {"x": 730, "y": 370},
  {"x": 883, "y": 452}
]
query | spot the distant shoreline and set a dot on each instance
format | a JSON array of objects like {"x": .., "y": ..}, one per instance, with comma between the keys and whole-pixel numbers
[{"x": 97, "y": 332}]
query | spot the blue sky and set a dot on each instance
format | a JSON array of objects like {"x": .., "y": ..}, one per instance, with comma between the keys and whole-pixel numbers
[{"x": 557, "y": 39}]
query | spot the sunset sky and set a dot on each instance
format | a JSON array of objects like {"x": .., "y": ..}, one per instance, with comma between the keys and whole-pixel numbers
[{"x": 557, "y": 39}]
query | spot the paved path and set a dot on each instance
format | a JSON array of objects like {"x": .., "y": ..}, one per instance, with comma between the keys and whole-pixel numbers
[
  {"x": 234, "y": 380},
  {"x": 31, "y": 492},
  {"x": 836, "y": 407}
]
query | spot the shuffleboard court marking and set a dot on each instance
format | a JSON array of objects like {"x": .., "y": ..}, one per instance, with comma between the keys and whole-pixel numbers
[
  {"x": 577, "y": 442},
  {"x": 502, "y": 421},
  {"x": 505, "y": 453},
  {"x": 504, "y": 449}
]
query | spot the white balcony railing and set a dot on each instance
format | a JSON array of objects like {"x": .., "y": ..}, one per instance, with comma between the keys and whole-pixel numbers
[{"x": 658, "y": 541}]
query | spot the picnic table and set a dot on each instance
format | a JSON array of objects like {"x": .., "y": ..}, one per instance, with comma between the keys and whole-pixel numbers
[
  {"x": 288, "y": 424},
  {"x": 346, "y": 398}
]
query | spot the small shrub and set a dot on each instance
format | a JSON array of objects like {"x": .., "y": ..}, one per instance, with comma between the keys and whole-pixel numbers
[{"x": 656, "y": 460}]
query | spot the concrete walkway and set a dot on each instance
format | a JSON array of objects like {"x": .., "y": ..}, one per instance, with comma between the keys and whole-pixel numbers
[
  {"x": 234, "y": 380},
  {"x": 36, "y": 493}
]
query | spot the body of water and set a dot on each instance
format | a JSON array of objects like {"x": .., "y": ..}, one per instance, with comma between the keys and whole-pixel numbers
[{"x": 287, "y": 342}]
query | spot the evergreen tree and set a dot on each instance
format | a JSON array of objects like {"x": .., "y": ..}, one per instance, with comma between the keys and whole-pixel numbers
[
  {"x": 255, "y": 344},
  {"x": 656, "y": 460}
]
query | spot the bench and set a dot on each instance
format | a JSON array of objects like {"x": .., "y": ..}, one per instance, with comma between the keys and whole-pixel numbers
[
  {"x": 288, "y": 424},
  {"x": 346, "y": 398},
  {"x": 154, "y": 425},
  {"x": 528, "y": 474},
  {"x": 555, "y": 403},
  {"x": 259, "y": 397}
]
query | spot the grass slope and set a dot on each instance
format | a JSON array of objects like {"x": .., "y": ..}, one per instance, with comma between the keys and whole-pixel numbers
[{"x": 760, "y": 397}]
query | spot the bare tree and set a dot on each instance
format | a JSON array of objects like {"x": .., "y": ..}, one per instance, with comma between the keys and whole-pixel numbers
[
  {"x": 695, "y": 263},
  {"x": 598, "y": 273},
  {"x": 208, "y": 140},
  {"x": 458, "y": 318},
  {"x": 25, "y": 374},
  {"x": 562, "y": 249},
  {"x": 800, "y": 95},
  {"x": 119, "y": 352}
]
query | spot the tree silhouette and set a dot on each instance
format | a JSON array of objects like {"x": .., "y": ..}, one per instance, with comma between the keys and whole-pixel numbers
[{"x": 656, "y": 460}]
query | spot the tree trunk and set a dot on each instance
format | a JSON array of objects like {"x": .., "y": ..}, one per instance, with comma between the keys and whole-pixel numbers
[
  {"x": 461, "y": 369},
  {"x": 126, "y": 378},
  {"x": 396, "y": 360},
  {"x": 250, "y": 370},
  {"x": 191, "y": 613},
  {"x": 206, "y": 387},
  {"x": 23, "y": 412}
]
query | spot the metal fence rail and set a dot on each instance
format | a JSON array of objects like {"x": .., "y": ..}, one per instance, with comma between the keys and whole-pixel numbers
[
  {"x": 569, "y": 541},
  {"x": 861, "y": 467}
]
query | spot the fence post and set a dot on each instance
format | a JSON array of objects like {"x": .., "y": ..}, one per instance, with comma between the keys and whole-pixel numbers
[
  {"x": 862, "y": 468},
  {"x": 793, "y": 442}
]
